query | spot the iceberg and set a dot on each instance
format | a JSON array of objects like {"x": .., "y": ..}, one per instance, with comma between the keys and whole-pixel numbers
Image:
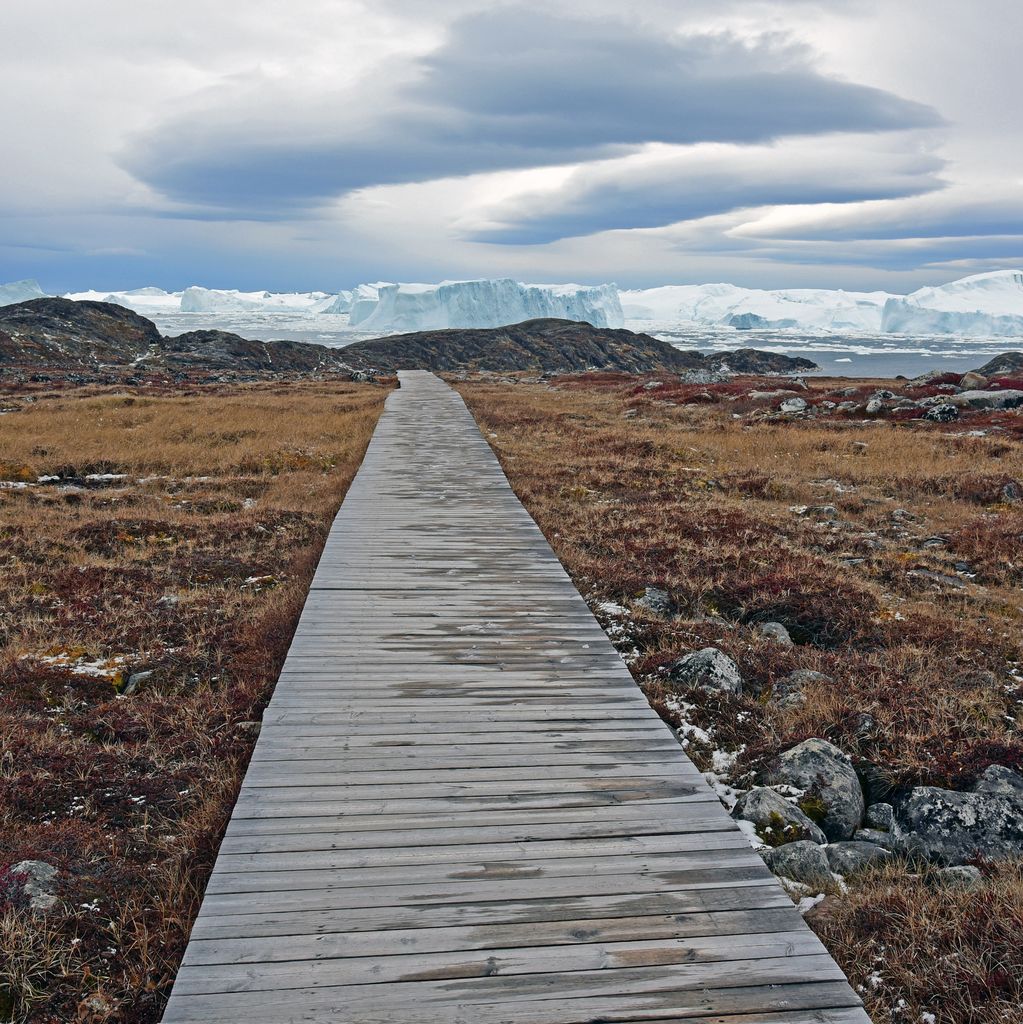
[
  {"x": 812, "y": 309},
  {"x": 400, "y": 308},
  {"x": 983, "y": 305},
  {"x": 20, "y": 291},
  {"x": 215, "y": 300},
  {"x": 141, "y": 300}
]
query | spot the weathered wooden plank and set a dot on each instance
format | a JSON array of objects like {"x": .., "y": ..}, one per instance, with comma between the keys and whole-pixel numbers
[{"x": 460, "y": 808}]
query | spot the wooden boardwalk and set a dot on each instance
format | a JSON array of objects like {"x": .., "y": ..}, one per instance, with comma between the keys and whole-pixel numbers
[{"x": 461, "y": 807}]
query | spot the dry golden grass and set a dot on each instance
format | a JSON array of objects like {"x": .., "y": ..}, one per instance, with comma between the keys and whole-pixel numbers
[
  {"x": 191, "y": 563},
  {"x": 900, "y": 582}
]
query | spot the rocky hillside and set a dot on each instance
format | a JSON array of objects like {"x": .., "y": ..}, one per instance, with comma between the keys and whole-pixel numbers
[
  {"x": 52, "y": 333},
  {"x": 58, "y": 332},
  {"x": 553, "y": 346}
]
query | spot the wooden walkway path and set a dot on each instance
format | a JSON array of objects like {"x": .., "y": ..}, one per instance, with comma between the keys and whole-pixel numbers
[{"x": 461, "y": 808}]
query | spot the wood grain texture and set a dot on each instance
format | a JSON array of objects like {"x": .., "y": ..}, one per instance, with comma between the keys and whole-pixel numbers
[{"x": 462, "y": 809}]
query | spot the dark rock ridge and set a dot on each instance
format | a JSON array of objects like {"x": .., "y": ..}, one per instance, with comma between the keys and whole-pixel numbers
[
  {"x": 61, "y": 333},
  {"x": 223, "y": 350},
  {"x": 553, "y": 346}
]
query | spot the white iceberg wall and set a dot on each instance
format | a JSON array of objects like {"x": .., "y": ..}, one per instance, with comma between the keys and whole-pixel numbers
[
  {"x": 815, "y": 309},
  {"x": 484, "y": 303},
  {"x": 216, "y": 300},
  {"x": 903, "y": 317},
  {"x": 20, "y": 291}
]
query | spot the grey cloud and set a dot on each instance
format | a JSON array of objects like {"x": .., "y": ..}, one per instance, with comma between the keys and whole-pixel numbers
[
  {"x": 509, "y": 88},
  {"x": 704, "y": 181}
]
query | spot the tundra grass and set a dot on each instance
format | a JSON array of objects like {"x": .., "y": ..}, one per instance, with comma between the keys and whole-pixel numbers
[
  {"x": 891, "y": 550},
  {"x": 156, "y": 552}
]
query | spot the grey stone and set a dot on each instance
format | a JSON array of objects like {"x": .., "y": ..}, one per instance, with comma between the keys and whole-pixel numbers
[
  {"x": 824, "y": 772},
  {"x": 965, "y": 876},
  {"x": 1000, "y": 781},
  {"x": 880, "y": 816},
  {"x": 777, "y": 632},
  {"x": 802, "y": 862},
  {"x": 793, "y": 405},
  {"x": 892, "y": 840},
  {"x": 135, "y": 680},
  {"x": 788, "y": 691},
  {"x": 710, "y": 669},
  {"x": 949, "y": 827},
  {"x": 777, "y": 820},
  {"x": 1012, "y": 491},
  {"x": 846, "y": 858},
  {"x": 972, "y": 380},
  {"x": 942, "y": 413},
  {"x": 874, "y": 406},
  {"x": 1006, "y": 398},
  {"x": 39, "y": 883},
  {"x": 657, "y": 601}
]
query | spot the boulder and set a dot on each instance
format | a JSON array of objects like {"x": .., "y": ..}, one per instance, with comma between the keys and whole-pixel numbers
[
  {"x": 777, "y": 821},
  {"x": 880, "y": 816},
  {"x": 847, "y": 858},
  {"x": 950, "y": 827},
  {"x": 874, "y": 406},
  {"x": 964, "y": 876},
  {"x": 39, "y": 883},
  {"x": 892, "y": 840},
  {"x": 777, "y": 632},
  {"x": 972, "y": 380},
  {"x": 710, "y": 669},
  {"x": 656, "y": 601},
  {"x": 1006, "y": 398},
  {"x": 788, "y": 691},
  {"x": 793, "y": 405},
  {"x": 942, "y": 413},
  {"x": 803, "y": 861},
  {"x": 999, "y": 781},
  {"x": 829, "y": 780}
]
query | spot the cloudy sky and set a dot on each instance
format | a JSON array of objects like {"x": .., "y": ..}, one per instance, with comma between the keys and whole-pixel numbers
[{"x": 317, "y": 143}]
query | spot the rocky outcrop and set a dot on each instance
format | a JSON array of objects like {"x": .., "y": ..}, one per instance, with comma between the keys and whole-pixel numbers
[
  {"x": 832, "y": 793},
  {"x": 802, "y": 861},
  {"x": 59, "y": 332},
  {"x": 709, "y": 669},
  {"x": 951, "y": 827},
  {"x": 849, "y": 857},
  {"x": 554, "y": 346},
  {"x": 1008, "y": 364},
  {"x": 776, "y": 820}
]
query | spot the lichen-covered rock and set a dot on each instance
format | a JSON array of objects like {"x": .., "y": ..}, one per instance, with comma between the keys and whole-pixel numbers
[
  {"x": 777, "y": 632},
  {"x": 890, "y": 840},
  {"x": 846, "y": 858},
  {"x": 788, "y": 691},
  {"x": 710, "y": 669},
  {"x": 1000, "y": 781},
  {"x": 880, "y": 816},
  {"x": 949, "y": 827},
  {"x": 966, "y": 876},
  {"x": 803, "y": 861},
  {"x": 776, "y": 820},
  {"x": 657, "y": 601},
  {"x": 793, "y": 406},
  {"x": 942, "y": 413},
  {"x": 834, "y": 798},
  {"x": 38, "y": 884}
]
